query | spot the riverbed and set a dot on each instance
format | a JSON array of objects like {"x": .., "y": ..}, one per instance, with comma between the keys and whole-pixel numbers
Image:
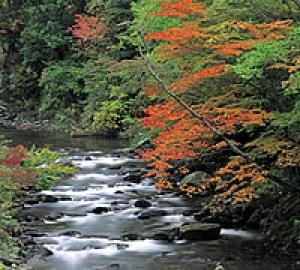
[{"x": 99, "y": 219}]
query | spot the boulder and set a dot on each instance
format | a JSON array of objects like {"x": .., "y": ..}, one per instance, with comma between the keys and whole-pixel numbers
[
  {"x": 31, "y": 201},
  {"x": 142, "y": 204},
  {"x": 53, "y": 217},
  {"x": 44, "y": 252},
  {"x": 161, "y": 236},
  {"x": 100, "y": 210},
  {"x": 133, "y": 177},
  {"x": 48, "y": 199},
  {"x": 195, "y": 178},
  {"x": 152, "y": 214},
  {"x": 71, "y": 233},
  {"x": 200, "y": 231},
  {"x": 131, "y": 237}
]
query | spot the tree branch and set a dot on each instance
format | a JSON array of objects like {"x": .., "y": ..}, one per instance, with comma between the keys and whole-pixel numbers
[{"x": 217, "y": 132}]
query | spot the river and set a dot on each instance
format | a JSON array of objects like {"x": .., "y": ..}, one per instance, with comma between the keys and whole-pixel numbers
[{"x": 95, "y": 222}]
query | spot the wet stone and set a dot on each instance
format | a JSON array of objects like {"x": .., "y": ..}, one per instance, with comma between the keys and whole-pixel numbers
[
  {"x": 134, "y": 178},
  {"x": 115, "y": 266},
  {"x": 131, "y": 237},
  {"x": 30, "y": 218},
  {"x": 75, "y": 214},
  {"x": 161, "y": 236},
  {"x": 37, "y": 234},
  {"x": 44, "y": 252},
  {"x": 65, "y": 199},
  {"x": 142, "y": 204},
  {"x": 100, "y": 210},
  {"x": 53, "y": 217},
  {"x": 130, "y": 171},
  {"x": 152, "y": 214},
  {"x": 32, "y": 201},
  {"x": 71, "y": 234},
  {"x": 121, "y": 246},
  {"x": 200, "y": 231},
  {"x": 115, "y": 167},
  {"x": 48, "y": 199}
]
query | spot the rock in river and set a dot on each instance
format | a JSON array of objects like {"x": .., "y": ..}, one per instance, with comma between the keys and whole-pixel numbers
[
  {"x": 133, "y": 177},
  {"x": 100, "y": 210},
  {"x": 142, "y": 204},
  {"x": 200, "y": 231}
]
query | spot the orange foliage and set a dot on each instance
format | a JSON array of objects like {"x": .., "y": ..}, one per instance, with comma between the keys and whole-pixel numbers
[
  {"x": 237, "y": 181},
  {"x": 187, "y": 32},
  {"x": 234, "y": 183},
  {"x": 160, "y": 113},
  {"x": 181, "y": 135},
  {"x": 180, "y": 9},
  {"x": 265, "y": 31},
  {"x": 151, "y": 90},
  {"x": 187, "y": 137},
  {"x": 187, "y": 81},
  {"x": 235, "y": 48}
]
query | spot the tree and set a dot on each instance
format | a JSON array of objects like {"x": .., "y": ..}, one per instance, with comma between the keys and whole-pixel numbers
[{"x": 180, "y": 135}]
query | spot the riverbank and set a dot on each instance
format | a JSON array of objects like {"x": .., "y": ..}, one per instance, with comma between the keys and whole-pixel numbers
[
  {"x": 19, "y": 120},
  {"x": 22, "y": 171}
]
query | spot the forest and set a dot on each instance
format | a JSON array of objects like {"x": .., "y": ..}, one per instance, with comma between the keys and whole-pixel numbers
[{"x": 207, "y": 94}]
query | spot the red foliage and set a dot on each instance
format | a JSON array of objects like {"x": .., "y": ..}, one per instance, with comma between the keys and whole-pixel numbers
[
  {"x": 15, "y": 156},
  {"x": 86, "y": 27}
]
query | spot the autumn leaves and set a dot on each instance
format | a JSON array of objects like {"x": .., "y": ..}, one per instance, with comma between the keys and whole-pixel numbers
[{"x": 180, "y": 135}]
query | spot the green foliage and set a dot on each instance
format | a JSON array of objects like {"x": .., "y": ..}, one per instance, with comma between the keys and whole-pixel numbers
[
  {"x": 107, "y": 119},
  {"x": 268, "y": 187},
  {"x": 254, "y": 63},
  {"x": 147, "y": 23},
  {"x": 2, "y": 267},
  {"x": 40, "y": 156},
  {"x": 7, "y": 223},
  {"x": 288, "y": 123},
  {"x": 62, "y": 85},
  {"x": 96, "y": 85},
  {"x": 45, "y": 37},
  {"x": 254, "y": 10},
  {"x": 45, "y": 162},
  {"x": 49, "y": 174}
]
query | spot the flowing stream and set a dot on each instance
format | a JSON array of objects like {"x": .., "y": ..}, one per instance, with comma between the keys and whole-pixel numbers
[{"x": 92, "y": 221}]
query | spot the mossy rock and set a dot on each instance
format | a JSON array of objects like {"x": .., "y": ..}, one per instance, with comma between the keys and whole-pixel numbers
[
  {"x": 195, "y": 178},
  {"x": 200, "y": 231}
]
